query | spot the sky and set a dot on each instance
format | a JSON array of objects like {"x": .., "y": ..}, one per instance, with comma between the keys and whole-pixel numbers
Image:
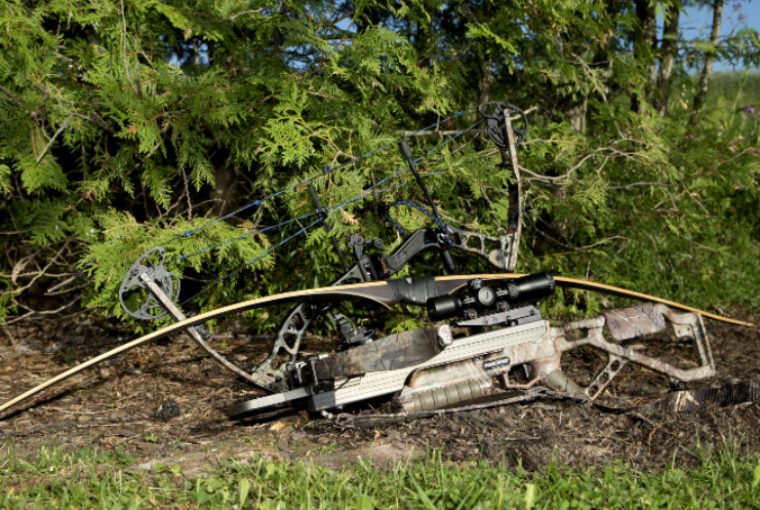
[{"x": 696, "y": 22}]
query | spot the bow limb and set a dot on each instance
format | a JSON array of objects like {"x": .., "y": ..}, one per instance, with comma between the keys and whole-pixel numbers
[
  {"x": 514, "y": 218},
  {"x": 611, "y": 289},
  {"x": 383, "y": 292},
  {"x": 322, "y": 293}
]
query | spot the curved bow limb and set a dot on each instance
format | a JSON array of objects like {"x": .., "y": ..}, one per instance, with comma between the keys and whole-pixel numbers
[
  {"x": 323, "y": 293},
  {"x": 384, "y": 292}
]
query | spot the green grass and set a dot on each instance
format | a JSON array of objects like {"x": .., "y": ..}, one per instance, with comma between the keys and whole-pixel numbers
[
  {"x": 729, "y": 95},
  {"x": 92, "y": 479}
]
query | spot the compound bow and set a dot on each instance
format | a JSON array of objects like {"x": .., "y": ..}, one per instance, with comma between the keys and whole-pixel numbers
[{"x": 505, "y": 125}]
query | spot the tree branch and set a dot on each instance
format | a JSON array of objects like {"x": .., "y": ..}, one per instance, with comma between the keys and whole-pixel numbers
[{"x": 52, "y": 140}]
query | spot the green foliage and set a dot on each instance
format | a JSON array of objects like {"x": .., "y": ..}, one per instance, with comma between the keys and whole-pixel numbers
[
  {"x": 127, "y": 124},
  {"x": 125, "y": 241}
]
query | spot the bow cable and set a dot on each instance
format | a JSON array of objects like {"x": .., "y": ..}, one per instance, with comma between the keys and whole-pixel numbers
[{"x": 373, "y": 190}]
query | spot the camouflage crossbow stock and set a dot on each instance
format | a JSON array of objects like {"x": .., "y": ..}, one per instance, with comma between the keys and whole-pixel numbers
[{"x": 489, "y": 345}]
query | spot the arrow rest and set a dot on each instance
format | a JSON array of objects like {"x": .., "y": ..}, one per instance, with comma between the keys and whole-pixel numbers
[{"x": 135, "y": 297}]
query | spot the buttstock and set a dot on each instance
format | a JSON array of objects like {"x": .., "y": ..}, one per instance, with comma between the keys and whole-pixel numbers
[{"x": 624, "y": 336}]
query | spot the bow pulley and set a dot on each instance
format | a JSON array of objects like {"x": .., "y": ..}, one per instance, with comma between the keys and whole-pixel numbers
[{"x": 134, "y": 295}]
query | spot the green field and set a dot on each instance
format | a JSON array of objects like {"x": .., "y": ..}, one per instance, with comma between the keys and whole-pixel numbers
[
  {"x": 743, "y": 88},
  {"x": 92, "y": 479}
]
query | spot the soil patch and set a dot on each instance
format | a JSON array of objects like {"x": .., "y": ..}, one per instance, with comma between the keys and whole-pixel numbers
[{"x": 118, "y": 405}]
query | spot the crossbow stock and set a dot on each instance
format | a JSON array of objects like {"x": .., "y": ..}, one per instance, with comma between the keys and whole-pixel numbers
[{"x": 489, "y": 338}]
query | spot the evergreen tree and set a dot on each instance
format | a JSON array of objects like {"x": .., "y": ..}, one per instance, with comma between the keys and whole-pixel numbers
[{"x": 128, "y": 123}]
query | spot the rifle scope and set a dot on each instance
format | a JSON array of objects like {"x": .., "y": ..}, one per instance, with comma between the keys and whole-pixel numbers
[{"x": 481, "y": 297}]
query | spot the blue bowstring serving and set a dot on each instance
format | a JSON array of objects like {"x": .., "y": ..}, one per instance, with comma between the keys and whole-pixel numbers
[
  {"x": 373, "y": 190},
  {"x": 328, "y": 170}
]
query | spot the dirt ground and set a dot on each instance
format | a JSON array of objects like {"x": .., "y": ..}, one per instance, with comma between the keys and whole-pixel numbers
[{"x": 116, "y": 404}]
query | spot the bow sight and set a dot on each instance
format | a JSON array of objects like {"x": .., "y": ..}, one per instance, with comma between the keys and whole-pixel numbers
[{"x": 488, "y": 344}]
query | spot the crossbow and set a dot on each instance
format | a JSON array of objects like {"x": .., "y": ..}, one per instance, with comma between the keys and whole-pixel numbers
[
  {"x": 489, "y": 343},
  {"x": 500, "y": 251}
]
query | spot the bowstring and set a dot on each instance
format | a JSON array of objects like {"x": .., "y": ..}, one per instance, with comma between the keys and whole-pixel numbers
[
  {"x": 373, "y": 190},
  {"x": 328, "y": 170},
  {"x": 261, "y": 230}
]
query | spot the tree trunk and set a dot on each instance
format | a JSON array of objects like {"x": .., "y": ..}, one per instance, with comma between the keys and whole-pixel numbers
[
  {"x": 486, "y": 79},
  {"x": 577, "y": 116},
  {"x": 669, "y": 48},
  {"x": 644, "y": 43},
  {"x": 225, "y": 192},
  {"x": 704, "y": 76}
]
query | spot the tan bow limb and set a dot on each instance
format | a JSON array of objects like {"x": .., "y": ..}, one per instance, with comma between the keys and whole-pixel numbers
[{"x": 352, "y": 291}]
